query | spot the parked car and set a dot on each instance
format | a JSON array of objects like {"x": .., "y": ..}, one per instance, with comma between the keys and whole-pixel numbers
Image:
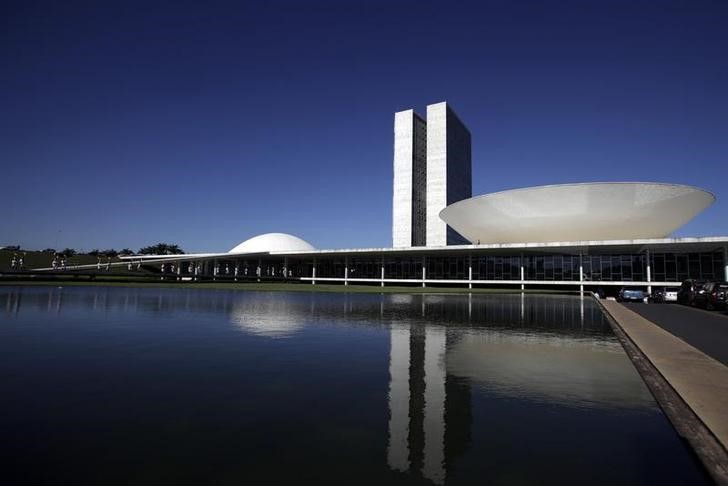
[
  {"x": 631, "y": 294},
  {"x": 664, "y": 295},
  {"x": 712, "y": 295},
  {"x": 688, "y": 290}
]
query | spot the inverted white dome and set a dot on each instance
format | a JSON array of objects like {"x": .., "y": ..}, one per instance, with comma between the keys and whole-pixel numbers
[
  {"x": 577, "y": 212},
  {"x": 272, "y": 242},
  {"x": 273, "y": 318}
]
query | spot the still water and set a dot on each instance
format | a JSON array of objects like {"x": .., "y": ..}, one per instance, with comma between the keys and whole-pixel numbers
[{"x": 177, "y": 386}]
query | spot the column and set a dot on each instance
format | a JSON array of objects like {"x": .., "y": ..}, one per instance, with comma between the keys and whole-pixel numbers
[
  {"x": 649, "y": 272},
  {"x": 423, "y": 271},
  {"x": 725, "y": 263},
  {"x": 346, "y": 271},
  {"x": 382, "y": 277},
  {"x": 470, "y": 271},
  {"x": 313, "y": 273},
  {"x": 523, "y": 274},
  {"x": 581, "y": 273}
]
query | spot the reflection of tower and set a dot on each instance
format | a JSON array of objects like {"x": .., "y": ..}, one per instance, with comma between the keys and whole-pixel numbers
[
  {"x": 430, "y": 412},
  {"x": 399, "y": 398}
]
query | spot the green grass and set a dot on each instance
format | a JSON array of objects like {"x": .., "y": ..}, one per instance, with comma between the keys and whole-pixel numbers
[
  {"x": 284, "y": 287},
  {"x": 40, "y": 259}
]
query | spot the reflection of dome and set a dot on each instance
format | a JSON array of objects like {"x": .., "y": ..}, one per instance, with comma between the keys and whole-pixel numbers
[
  {"x": 577, "y": 212},
  {"x": 273, "y": 318},
  {"x": 272, "y": 242}
]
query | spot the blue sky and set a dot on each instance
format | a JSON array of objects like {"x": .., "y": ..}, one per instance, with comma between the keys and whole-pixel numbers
[{"x": 204, "y": 123}]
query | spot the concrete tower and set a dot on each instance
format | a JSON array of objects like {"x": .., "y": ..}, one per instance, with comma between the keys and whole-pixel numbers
[
  {"x": 409, "y": 208},
  {"x": 432, "y": 169}
]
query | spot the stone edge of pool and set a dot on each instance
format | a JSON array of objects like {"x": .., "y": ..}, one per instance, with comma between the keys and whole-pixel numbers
[{"x": 690, "y": 387}]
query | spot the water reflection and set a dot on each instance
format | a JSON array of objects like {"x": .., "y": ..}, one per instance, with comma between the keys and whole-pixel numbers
[
  {"x": 268, "y": 316},
  {"x": 457, "y": 376}
]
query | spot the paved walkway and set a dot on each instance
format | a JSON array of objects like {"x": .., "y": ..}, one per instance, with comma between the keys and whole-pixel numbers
[
  {"x": 705, "y": 330},
  {"x": 701, "y": 381}
]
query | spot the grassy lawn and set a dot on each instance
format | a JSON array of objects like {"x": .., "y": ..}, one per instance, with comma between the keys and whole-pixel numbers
[{"x": 40, "y": 259}]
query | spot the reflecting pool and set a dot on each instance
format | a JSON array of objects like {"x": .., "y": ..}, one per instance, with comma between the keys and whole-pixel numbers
[{"x": 102, "y": 385}]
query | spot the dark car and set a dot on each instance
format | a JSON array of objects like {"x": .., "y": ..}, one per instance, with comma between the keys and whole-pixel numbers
[
  {"x": 712, "y": 295},
  {"x": 631, "y": 294},
  {"x": 688, "y": 290}
]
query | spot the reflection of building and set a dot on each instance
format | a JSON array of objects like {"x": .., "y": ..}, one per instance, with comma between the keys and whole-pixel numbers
[
  {"x": 432, "y": 371},
  {"x": 429, "y": 413}
]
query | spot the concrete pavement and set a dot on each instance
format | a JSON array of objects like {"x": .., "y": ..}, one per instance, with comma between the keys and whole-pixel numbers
[
  {"x": 698, "y": 379},
  {"x": 705, "y": 330}
]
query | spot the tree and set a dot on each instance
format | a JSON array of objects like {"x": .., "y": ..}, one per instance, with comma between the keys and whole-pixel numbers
[
  {"x": 125, "y": 252},
  {"x": 68, "y": 252},
  {"x": 161, "y": 249},
  {"x": 49, "y": 250},
  {"x": 95, "y": 252},
  {"x": 110, "y": 252}
]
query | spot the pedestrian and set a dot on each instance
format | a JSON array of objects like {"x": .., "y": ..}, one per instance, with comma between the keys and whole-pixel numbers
[
  {"x": 63, "y": 264},
  {"x": 13, "y": 263},
  {"x": 139, "y": 266},
  {"x": 21, "y": 263},
  {"x": 227, "y": 269},
  {"x": 108, "y": 264},
  {"x": 128, "y": 266},
  {"x": 98, "y": 264},
  {"x": 54, "y": 263}
]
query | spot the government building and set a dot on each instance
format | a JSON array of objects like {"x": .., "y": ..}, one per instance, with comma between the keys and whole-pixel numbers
[{"x": 585, "y": 236}]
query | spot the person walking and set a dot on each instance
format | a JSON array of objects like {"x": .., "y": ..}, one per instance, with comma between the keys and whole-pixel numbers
[
  {"x": 13, "y": 263},
  {"x": 98, "y": 264}
]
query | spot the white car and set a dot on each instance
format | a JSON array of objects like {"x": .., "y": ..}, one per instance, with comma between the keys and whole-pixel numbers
[{"x": 664, "y": 295}]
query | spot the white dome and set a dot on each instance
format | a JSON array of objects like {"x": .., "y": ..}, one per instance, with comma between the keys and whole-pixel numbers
[
  {"x": 272, "y": 242},
  {"x": 577, "y": 212}
]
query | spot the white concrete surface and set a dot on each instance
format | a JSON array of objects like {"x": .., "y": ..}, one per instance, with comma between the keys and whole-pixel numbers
[{"x": 571, "y": 212}]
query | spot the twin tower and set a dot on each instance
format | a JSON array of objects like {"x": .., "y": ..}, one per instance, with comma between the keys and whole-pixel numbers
[{"x": 432, "y": 169}]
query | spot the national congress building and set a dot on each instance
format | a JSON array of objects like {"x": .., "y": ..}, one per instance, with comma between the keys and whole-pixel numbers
[{"x": 576, "y": 236}]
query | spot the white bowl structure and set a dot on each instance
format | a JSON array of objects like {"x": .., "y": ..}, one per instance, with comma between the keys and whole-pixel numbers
[
  {"x": 577, "y": 212},
  {"x": 272, "y": 242}
]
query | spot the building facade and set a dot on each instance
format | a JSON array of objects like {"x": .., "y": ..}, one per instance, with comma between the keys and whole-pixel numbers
[
  {"x": 432, "y": 169},
  {"x": 581, "y": 266}
]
